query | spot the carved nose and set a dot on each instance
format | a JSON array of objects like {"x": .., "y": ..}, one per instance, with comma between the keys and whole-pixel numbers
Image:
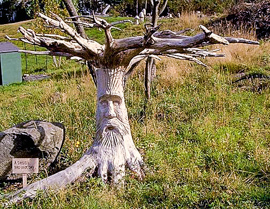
[{"x": 110, "y": 113}]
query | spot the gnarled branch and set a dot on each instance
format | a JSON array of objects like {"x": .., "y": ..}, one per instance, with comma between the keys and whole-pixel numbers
[
  {"x": 186, "y": 57},
  {"x": 240, "y": 40},
  {"x": 54, "y": 45},
  {"x": 92, "y": 47}
]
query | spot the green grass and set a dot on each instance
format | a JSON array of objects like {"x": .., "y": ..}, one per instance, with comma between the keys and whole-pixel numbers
[{"x": 205, "y": 141}]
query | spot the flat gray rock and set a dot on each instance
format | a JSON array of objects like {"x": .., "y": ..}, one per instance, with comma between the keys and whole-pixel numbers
[
  {"x": 32, "y": 139},
  {"x": 27, "y": 77}
]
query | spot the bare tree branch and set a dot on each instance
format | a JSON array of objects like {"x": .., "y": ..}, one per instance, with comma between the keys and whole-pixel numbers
[
  {"x": 107, "y": 28},
  {"x": 18, "y": 39},
  {"x": 130, "y": 71},
  {"x": 240, "y": 40},
  {"x": 203, "y": 52},
  {"x": 128, "y": 47},
  {"x": 120, "y": 22},
  {"x": 135, "y": 62},
  {"x": 171, "y": 34},
  {"x": 90, "y": 46},
  {"x": 84, "y": 24},
  {"x": 80, "y": 29},
  {"x": 54, "y": 45},
  {"x": 51, "y": 53},
  {"x": 163, "y": 44},
  {"x": 55, "y": 36},
  {"x": 186, "y": 57}
]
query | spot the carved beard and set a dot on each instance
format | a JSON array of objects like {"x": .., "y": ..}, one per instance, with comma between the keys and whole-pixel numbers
[{"x": 111, "y": 132}]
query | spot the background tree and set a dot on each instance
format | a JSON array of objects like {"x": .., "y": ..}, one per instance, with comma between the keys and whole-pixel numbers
[
  {"x": 113, "y": 147},
  {"x": 150, "y": 68},
  {"x": 13, "y": 11}
]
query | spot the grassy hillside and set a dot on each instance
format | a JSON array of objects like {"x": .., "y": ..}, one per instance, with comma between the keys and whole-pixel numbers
[{"x": 204, "y": 139}]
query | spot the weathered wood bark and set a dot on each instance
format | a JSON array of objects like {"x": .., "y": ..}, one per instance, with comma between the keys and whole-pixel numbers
[
  {"x": 148, "y": 76},
  {"x": 113, "y": 146}
]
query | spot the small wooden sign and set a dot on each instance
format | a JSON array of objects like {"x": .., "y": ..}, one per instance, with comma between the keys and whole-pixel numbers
[{"x": 25, "y": 165}]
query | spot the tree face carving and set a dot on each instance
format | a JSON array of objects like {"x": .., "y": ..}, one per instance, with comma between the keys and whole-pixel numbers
[
  {"x": 113, "y": 148},
  {"x": 111, "y": 114},
  {"x": 109, "y": 106},
  {"x": 111, "y": 125}
]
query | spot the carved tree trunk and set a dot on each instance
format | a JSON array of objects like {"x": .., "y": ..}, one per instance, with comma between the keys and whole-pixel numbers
[{"x": 113, "y": 147}]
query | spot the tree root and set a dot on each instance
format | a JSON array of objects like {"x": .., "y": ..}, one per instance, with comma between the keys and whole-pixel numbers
[{"x": 109, "y": 163}]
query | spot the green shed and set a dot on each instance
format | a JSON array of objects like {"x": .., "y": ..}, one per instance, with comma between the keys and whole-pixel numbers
[{"x": 10, "y": 64}]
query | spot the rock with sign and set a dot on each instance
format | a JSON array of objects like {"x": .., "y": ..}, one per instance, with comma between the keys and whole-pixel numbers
[{"x": 33, "y": 139}]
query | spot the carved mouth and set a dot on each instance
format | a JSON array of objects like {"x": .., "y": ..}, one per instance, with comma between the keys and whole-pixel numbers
[{"x": 110, "y": 128}]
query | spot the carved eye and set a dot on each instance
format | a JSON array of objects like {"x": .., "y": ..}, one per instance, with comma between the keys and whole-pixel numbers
[
  {"x": 116, "y": 103},
  {"x": 104, "y": 103}
]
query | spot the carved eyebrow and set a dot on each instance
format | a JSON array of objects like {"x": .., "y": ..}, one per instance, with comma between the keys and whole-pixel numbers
[{"x": 106, "y": 96}]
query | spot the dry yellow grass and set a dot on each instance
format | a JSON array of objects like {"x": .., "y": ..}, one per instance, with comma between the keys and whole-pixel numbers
[
  {"x": 172, "y": 70},
  {"x": 188, "y": 20},
  {"x": 240, "y": 54}
]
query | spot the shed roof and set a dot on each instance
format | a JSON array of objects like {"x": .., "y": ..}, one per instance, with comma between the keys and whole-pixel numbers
[{"x": 8, "y": 47}]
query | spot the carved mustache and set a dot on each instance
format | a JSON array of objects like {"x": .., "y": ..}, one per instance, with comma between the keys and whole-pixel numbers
[
  {"x": 111, "y": 132},
  {"x": 114, "y": 125}
]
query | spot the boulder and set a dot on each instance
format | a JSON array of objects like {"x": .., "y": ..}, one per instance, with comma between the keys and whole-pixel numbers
[{"x": 32, "y": 139}]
